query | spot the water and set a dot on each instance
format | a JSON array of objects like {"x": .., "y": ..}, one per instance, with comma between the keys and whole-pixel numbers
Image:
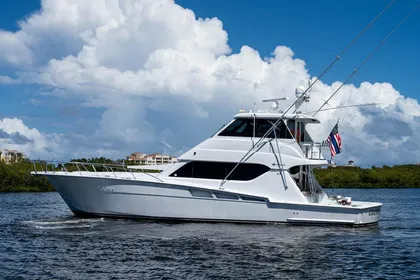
[{"x": 40, "y": 239}]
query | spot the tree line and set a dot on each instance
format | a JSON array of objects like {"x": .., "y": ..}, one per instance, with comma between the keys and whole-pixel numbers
[
  {"x": 397, "y": 176},
  {"x": 17, "y": 177}
]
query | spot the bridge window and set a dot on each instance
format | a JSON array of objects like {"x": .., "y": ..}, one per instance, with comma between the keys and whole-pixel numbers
[
  {"x": 239, "y": 128},
  {"x": 263, "y": 125},
  {"x": 244, "y": 127},
  {"x": 219, "y": 170}
]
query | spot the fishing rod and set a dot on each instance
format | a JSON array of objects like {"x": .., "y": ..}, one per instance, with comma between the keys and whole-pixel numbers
[
  {"x": 342, "y": 53},
  {"x": 330, "y": 66},
  {"x": 366, "y": 59},
  {"x": 352, "y": 42},
  {"x": 344, "y": 106}
]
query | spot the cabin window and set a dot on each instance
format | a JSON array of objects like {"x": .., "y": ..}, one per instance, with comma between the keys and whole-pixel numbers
[
  {"x": 263, "y": 125},
  {"x": 244, "y": 127},
  {"x": 299, "y": 131},
  {"x": 239, "y": 128},
  {"x": 219, "y": 170}
]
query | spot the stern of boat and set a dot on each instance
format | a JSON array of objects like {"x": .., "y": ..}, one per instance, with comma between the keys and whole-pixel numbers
[{"x": 369, "y": 213}]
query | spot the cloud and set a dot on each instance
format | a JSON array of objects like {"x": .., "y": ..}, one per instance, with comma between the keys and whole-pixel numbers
[
  {"x": 14, "y": 134},
  {"x": 158, "y": 72},
  {"x": 13, "y": 50},
  {"x": 14, "y": 138},
  {"x": 5, "y": 80}
]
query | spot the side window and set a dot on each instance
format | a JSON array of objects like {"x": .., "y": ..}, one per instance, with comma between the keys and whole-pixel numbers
[
  {"x": 239, "y": 128},
  {"x": 291, "y": 126},
  {"x": 263, "y": 125},
  {"x": 219, "y": 170},
  {"x": 284, "y": 131},
  {"x": 298, "y": 130}
]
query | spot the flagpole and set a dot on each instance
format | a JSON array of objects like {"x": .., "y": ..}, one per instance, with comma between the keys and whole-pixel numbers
[{"x": 332, "y": 177}]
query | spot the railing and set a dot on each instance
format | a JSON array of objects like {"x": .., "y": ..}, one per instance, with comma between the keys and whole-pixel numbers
[
  {"x": 312, "y": 150},
  {"x": 79, "y": 167}
]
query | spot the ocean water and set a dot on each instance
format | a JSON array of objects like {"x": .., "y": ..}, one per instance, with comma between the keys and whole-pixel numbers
[{"x": 41, "y": 239}]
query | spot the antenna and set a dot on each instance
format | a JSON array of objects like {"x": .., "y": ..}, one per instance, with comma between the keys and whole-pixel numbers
[
  {"x": 301, "y": 95},
  {"x": 275, "y": 104}
]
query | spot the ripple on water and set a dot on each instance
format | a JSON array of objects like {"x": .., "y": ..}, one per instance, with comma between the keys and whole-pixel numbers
[
  {"x": 72, "y": 223},
  {"x": 48, "y": 242}
]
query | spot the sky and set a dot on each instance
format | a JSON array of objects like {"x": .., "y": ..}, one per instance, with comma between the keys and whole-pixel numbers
[{"x": 107, "y": 78}]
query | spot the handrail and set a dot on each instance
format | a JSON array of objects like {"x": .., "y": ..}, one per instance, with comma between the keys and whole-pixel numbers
[
  {"x": 308, "y": 147},
  {"x": 110, "y": 168}
]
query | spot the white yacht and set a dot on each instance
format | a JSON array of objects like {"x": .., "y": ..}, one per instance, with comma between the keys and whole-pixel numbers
[{"x": 247, "y": 172}]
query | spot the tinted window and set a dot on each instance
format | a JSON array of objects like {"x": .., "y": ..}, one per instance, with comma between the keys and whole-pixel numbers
[
  {"x": 263, "y": 125},
  {"x": 219, "y": 170},
  {"x": 239, "y": 128},
  {"x": 245, "y": 128},
  {"x": 301, "y": 134}
]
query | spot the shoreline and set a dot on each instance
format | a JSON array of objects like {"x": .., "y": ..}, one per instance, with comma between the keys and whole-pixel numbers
[
  {"x": 26, "y": 190},
  {"x": 17, "y": 177}
]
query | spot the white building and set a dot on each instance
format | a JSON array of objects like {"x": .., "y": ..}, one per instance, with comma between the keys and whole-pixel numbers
[
  {"x": 351, "y": 163},
  {"x": 137, "y": 158},
  {"x": 10, "y": 156},
  {"x": 152, "y": 159}
]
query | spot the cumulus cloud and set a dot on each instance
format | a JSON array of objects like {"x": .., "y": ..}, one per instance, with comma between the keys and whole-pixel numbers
[
  {"x": 158, "y": 72},
  {"x": 14, "y": 138},
  {"x": 14, "y": 134}
]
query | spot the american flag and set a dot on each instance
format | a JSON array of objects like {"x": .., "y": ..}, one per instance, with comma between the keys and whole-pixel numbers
[{"x": 334, "y": 140}]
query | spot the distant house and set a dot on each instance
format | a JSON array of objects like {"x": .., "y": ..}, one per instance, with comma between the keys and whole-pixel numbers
[
  {"x": 11, "y": 156},
  {"x": 350, "y": 164},
  {"x": 137, "y": 158},
  {"x": 151, "y": 159}
]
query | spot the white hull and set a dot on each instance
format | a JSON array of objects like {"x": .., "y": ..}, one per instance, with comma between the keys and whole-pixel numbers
[
  {"x": 112, "y": 197},
  {"x": 258, "y": 168}
]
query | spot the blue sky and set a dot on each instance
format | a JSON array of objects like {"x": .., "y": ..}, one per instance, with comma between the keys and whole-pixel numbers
[{"x": 315, "y": 33}]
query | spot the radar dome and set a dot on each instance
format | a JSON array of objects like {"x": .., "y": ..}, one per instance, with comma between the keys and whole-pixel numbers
[{"x": 299, "y": 91}]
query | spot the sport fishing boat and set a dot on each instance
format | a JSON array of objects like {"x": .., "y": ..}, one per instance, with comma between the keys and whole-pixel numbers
[{"x": 258, "y": 168}]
